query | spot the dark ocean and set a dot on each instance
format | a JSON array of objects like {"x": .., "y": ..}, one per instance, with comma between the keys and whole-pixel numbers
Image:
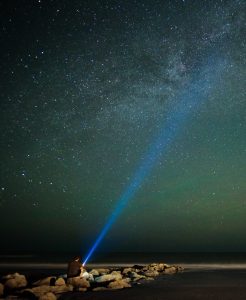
[{"x": 57, "y": 262}]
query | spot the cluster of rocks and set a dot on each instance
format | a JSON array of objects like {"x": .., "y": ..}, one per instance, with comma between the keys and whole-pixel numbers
[{"x": 50, "y": 288}]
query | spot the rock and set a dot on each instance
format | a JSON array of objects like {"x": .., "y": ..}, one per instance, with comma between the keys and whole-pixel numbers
[
  {"x": 149, "y": 278},
  {"x": 38, "y": 291},
  {"x": 78, "y": 282},
  {"x": 153, "y": 267},
  {"x": 109, "y": 277},
  {"x": 135, "y": 276},
  {"x": 116, "y": 273},
  {"x": 103, "y": 271},
  {"x": 87, "y": 276},
  {"x": 44, "y": 281},
  {"x": 101, "y": 288},
  {"x": 10, "y": 276},
  {"x": 146, "y": 268},
  {"x": 179, "y": 269},
  {"x": 50, "y": 288},
  {"x": 137, "y": 267},
  {"x": 160, "y": 267},
  {"x": 61, "y": 289},
  {"x": 119, "y": 284},
  {"x": 94, "y": 272},
  {"x": 15, "y": 281},
  {"x": 151, "y": 273},
  {"x": 127, "y": 279},
  {"x": 170, "y": 270},
  {"x": 1, "y": 289},
  {"x": 41, "y": 290},
  {"x": 47, "y": 296},
  {"x": 127, "y": 270},
  {"x": 60, "y": 281}
]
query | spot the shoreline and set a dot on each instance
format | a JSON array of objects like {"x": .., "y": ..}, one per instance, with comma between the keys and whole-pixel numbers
[
  {"x": 63, "y": 266},
  {"x": 197, "y": 281},
  {"x": 91, "y": 279}
]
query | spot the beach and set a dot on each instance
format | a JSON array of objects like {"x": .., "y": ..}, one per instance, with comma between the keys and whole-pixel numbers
[
  {"x": 195, "y": 283},
  {"x": 205, "y": 276},
  {"x": 227, "y": 282}
]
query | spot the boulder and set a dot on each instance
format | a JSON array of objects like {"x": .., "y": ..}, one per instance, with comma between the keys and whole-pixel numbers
[
  {"x": 153, "y": 267},
  {"x": 47, "y": 296},
  {"x": 116, "y": 273},
  {"x": 10, "y": 276},
  {"x": 119, "y": 284},
  {"x": 109, "y": 277},
  {"x": 44, "y": 281},
  {"x": 41, "y": 290},
  {"x": 60, "y": 281},
  {"x": 15, "y": 281},
  {"x": 179, "y": 269},
  {"x": 94, "y": 272},
  {"x": 151, "y": 273},
  {"x": 128, "y": 270},
  {"x": 149, "y": 278},
  {"x": 137, "y": 267},
  {"x": 160, "y": 267},
  {"x": 1, "y": 289},
  {"x": 87, "y": 276},
  {"x": 148, "y": 267},
  {"x": 170, "y": 270},
  {"x": 38, "y": 291},
  {"x": 61, "y": 289},
  {"x": 103, "y": 271},
  {"x": 135, "y": 276},
  {"x": 78, "y": 282}
]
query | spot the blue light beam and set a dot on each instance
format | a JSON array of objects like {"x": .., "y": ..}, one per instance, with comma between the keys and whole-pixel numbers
[{"x": 188, "y": 101}]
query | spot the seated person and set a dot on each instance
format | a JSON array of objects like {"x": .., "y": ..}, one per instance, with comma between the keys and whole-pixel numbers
[{"x": 74, "y": 267}]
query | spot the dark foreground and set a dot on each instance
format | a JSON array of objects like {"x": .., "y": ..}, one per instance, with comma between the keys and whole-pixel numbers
[
  {"x": 226, "y": 284},
  {"x": 197, "y": 282}
]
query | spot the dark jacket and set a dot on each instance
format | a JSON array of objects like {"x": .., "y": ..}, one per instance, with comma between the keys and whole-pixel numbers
[{"x": 73, "y": 269}]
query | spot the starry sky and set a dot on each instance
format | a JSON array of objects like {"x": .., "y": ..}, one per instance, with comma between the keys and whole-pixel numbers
[{"x": 85, "y": 86}]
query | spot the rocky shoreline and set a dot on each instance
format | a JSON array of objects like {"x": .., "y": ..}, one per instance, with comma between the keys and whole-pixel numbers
[{"x": 16, "y": 286}]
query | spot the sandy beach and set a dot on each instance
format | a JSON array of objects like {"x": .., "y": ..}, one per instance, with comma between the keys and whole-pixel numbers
[{"x": 197, "y": 281}]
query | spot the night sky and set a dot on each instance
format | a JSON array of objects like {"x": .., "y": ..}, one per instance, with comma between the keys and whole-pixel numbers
[{"x": 85, "y": 87}]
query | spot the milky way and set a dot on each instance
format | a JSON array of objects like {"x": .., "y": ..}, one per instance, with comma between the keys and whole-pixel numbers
[{"x": 85, "y": 86}]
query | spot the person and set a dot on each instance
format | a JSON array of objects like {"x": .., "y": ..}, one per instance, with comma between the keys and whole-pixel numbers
[{"x": 74, "y": 267}]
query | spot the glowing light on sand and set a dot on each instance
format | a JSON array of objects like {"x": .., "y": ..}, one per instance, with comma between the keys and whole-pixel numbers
[{"x": 188, "y": 102}]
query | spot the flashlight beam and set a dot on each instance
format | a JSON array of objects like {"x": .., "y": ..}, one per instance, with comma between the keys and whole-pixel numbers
[{"x": 188, "y": 101}]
